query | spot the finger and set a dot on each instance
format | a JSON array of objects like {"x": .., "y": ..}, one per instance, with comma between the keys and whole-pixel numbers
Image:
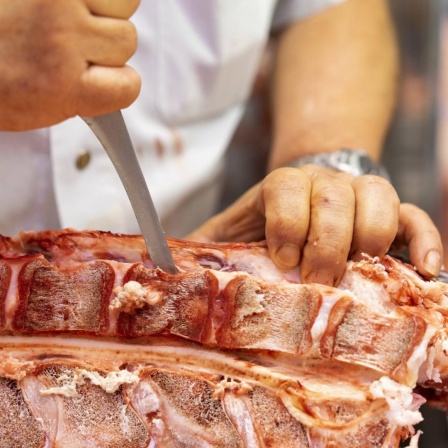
[
  {"x": 284, "y": 199},
  {"x": 110, "y": 42},
  {"x": 105, "y": 89},
  {"x": 203, "y": 234},
  {"x": 331, "y": 229},
  {"x": 417, "y": 231},
  {"x": 376, "y": 218},
  {"x": 119, "y": 9}
]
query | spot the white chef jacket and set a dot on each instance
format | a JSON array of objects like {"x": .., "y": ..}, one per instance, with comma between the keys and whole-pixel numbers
[{"x": 197, "y": 60}]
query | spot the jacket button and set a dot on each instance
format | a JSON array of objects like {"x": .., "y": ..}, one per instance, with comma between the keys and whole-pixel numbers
[{"x": 82, "y": 160}]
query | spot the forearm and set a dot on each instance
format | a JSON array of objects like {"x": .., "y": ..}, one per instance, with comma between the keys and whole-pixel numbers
[
  {"x": 334, "y": 82},
  {"x": 334, "y": 87}
]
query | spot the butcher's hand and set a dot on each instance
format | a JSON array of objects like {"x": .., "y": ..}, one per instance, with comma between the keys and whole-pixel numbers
[
  {"x": 64, "y": 58},
  {"x": 318, "y": 218}
]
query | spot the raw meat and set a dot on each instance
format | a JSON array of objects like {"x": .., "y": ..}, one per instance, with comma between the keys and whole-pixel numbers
[{"x": 100, "y": 349}]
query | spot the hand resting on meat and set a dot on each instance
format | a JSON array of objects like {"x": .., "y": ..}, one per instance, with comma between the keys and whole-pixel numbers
[{"x": 318, "y": 218}]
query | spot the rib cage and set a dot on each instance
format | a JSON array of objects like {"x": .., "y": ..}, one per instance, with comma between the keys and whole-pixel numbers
[{"x": 99, "y": 349}]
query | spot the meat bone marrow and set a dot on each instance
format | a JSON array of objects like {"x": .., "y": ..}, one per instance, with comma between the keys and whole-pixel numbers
[{"x": 98, "y": 348}]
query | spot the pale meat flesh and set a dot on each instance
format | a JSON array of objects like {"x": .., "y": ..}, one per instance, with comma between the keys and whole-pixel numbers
[{"x": 100, "y": 349}]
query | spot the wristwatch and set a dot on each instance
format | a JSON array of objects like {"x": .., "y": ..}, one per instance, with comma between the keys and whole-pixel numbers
[{"x": 353, "y": 161}]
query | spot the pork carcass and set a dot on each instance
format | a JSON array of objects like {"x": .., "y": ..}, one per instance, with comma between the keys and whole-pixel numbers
[{"x": 100, "y": 349}]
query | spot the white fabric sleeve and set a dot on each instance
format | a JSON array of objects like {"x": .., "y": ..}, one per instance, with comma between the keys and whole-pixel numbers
[{"x": 288, "y": 11}]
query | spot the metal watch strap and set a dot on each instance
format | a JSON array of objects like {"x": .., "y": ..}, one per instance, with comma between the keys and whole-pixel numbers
[{"x": 353, "y": 161}]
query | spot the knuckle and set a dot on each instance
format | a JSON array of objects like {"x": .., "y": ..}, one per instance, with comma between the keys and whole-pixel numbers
[
  {"x": 284, "y": 181},
  {"x": 129, "y": 40},
  {"x": 119, "y": 43},
  {"x": 285, "y": 174},
  {"x": 316, "y": 171},
  {"x": 338, "y": 197},
  {"x": 132, "y": 33},
  {"x": 372, "y": 181}
]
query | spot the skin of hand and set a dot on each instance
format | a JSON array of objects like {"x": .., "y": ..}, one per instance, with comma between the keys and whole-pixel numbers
[
  {"x": 334, "y": 86},
  {"x": 317, "y": 218},
  {"x": 65, "y": 58}
]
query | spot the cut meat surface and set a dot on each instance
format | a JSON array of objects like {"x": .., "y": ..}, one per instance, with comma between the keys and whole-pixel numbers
[
  {"x": 101, "y": 349},
  {"x": 18, "y": 426}
]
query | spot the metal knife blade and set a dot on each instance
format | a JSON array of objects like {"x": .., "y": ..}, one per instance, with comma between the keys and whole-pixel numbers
[
  {"x": 403, "y": 256},
  {"x": 442, "y": 277},
  {"x": 111, "y": 131}
]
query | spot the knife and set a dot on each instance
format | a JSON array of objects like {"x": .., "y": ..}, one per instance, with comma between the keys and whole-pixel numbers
[
  {"x": 111, "y": 131},
  {"x": 404, "y": 257},
  {"x": 442, "y": 277}
]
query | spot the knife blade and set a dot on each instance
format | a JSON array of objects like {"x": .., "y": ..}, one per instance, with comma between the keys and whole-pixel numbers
[
  {"x": 442, "y": 277},
  {"x": 111, "y": 131},
  {"x": 404, "y": 257}
]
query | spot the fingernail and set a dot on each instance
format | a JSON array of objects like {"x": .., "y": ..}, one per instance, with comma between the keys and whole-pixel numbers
[
  {"x": 432, "y": 262},
  {"x": 288, "y": 255}
]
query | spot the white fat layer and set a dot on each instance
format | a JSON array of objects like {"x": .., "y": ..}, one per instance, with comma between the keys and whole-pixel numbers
[
  {"x": 120, "y": 269},
  {"x": 174, "y": 427},
  {"x": 144, "y": 399},
  {"x": 413, "y": 443},
  {"x": 437, "y": 359},
  {"x": 264, "y": 268},
  {"x": 432, "y": 372},
  {"x": 369, "y": 292},
  {"x": 419, "y": 354},
  {"x": 225, "y": 277},
  {"x": 157, "y": 350},
  {"x": 205, "y": 261},
  {"x": 124, "y": 419},
  {"x": 157, "y": 427},
  {"x": 45, "y": 408},
  {"x": 321, "y": 321},
  {"x": 12, "y": 301},
  {"x": 237, "y": 411},
  {"x": 110, "y": 383},
  {"x": 181, "y": 427},
  {"x": 399, "y": 399}
]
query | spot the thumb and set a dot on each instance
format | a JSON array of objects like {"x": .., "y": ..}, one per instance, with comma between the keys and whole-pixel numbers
[
  {"x": 241, "y": 221},
  {"x": 206, "y": 233},
  {"x": 417, "y": 231}
]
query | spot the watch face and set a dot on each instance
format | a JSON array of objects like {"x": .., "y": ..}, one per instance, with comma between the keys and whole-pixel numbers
[{"x": 365, "y": 164}]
